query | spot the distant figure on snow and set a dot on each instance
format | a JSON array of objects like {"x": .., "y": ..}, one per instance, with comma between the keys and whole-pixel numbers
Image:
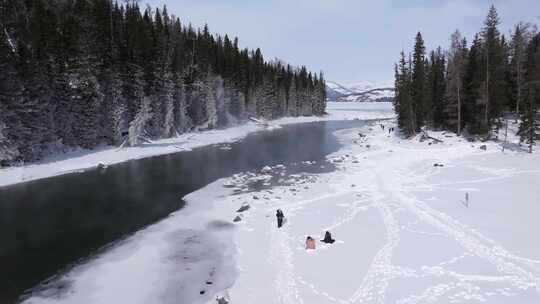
[
  {"x": 280, "y": 216},
  {"x": 328, "y": 238},
  {"x": 310, "y": 243}
]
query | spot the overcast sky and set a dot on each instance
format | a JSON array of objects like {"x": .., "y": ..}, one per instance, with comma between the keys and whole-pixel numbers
[{"x": 350, "y": 40}]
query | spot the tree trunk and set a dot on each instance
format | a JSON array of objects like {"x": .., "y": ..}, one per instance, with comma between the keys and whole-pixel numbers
[
  {"x": 505, "y": 135},
  {"x": 486, "y": 109},
  {"x": 531, "y": 138},
  {"x": 412, "y": 120},
  {"x": 518, "y": 88},
  {"x": 459, "y": 111}
]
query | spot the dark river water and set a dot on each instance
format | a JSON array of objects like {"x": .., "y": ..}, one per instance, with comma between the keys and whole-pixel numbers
[{"x": 50, "y": 224}]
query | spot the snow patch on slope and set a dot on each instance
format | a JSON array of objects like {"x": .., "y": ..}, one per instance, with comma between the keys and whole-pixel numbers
[{"x": 363, "y": 86}]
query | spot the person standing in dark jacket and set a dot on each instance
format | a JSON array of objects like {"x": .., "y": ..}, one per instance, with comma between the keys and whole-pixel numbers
[{"x": 280, "y": 216}]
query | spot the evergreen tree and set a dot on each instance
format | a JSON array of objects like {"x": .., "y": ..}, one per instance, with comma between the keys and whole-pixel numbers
[
  {"x": 529, "y": 129},
  {"x": 457, "y": 60},
  {"x": 293, "y": 98},
  {"x": 472, "y": 100},
  {"x": 495, "y": 67},
  {"x": 532, "y": 63},
  {"x": 518, "y": 56},
  {"x": 434, "y": 89},
  {"x": 11, "y": 93},
  {"x": 138, "y": 132},
  {"x": 418, "y": 82},
  {"x": 403, "y": 100}
]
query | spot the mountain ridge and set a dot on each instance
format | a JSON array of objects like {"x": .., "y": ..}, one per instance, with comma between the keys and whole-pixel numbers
[{"x": 364, "y": 91}]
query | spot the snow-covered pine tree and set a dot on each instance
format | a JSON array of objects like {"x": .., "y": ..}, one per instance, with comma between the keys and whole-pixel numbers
[
  {"x": 85, "y": 103},
  {"x": 265, "y": 95},
  {"x": 8, "y": 151},
  {"x": 169, "y": 128},
  {"x": 182, "y": 121},
  {"x": 115, "y": 115},
  {"x": 138, "y": 127},
  {"x": 292, "y": 103},
  {"x": 223, "y": 101},
  {"x": 11, "y": 93},
  {"x": 236, "y": 107},
  {"x": 281, "y": 99},
  {"x": 213, "y": 86}
]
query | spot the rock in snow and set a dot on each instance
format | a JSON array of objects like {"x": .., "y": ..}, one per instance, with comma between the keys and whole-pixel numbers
[
  {"x": 244, "y": 207},
  {"x": 266, "y": 169}
]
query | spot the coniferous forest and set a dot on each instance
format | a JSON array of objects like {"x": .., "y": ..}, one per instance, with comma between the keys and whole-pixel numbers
[
  {"x": 470, "y": 87},
  {"x": 85, "y": 73}
]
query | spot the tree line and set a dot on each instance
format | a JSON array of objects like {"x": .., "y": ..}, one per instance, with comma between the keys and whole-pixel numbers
[
  {"x": 84, "y": 73},
  {"x": 469, "y": 88}
]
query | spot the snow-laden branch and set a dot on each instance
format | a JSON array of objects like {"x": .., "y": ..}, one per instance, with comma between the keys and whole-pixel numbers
[{"x": 10, "y": 42}]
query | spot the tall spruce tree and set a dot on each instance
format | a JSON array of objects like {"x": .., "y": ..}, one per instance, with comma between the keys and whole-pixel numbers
[
  {"x": 403, "y": 100},
  {"x": 418, "y": 82},
  {"x": 457, "y": 60},
  {"x": 495, "y": 67},
  {"x": 529, "y": 129},
  {"x": 473, "y": 102},
  {"x": 435, "y": 88}
]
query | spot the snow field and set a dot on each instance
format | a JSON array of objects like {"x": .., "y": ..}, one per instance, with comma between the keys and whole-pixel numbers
[{"x": 403, "y": 234}]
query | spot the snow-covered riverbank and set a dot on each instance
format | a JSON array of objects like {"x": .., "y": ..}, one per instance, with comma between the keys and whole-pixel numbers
[
  {"x": 414, "y": 222},
  {"x": 81, "y": 160}
]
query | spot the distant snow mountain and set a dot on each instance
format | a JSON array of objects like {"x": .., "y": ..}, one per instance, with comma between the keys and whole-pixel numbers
[
  {"x": 359, "y": 92},
  {"x": 337, "y": 88}
]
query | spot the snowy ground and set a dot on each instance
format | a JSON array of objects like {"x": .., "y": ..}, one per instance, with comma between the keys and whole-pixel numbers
[
  {"x": 405, "y": 233},
  {"x": 77, "y": 161}
]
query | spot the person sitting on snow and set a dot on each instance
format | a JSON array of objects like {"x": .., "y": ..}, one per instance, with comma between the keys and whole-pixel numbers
[
  {"x": 328, "y": 238},
  {"x": 310, "y": 243}
]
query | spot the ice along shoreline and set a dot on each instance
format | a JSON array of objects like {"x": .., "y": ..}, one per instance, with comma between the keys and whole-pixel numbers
[{"x": 80, "y": 161}]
